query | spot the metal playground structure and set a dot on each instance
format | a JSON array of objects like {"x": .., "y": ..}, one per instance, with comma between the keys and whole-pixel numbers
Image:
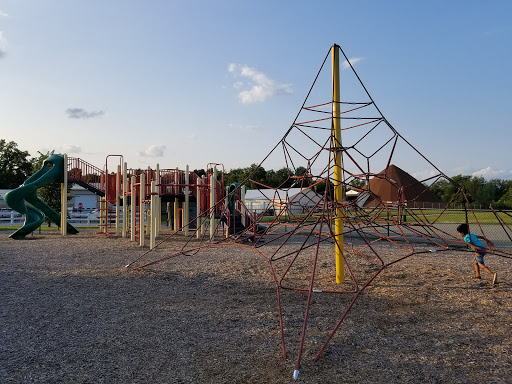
[
  {"x": 344, "y": 141},
  {"x": 131, "y": 200}
]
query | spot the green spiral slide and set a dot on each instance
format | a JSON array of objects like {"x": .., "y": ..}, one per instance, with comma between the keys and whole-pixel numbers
[{"x": 51, "y": 172}]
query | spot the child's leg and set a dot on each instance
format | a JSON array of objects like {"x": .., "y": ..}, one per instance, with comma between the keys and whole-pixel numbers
[
  {"x": 484, "y": 267},
  {"x": 479, "y": 262},
  {"x": 477, "y": 269}
]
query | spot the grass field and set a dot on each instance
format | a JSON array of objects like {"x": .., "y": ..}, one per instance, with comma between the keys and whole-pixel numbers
[
  {"x": 459, "y": 216},
  {"x": 428, "y": 215}
]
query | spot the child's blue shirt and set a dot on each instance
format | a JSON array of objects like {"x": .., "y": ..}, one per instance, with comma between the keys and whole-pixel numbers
[{"x": 472, "y": 239}]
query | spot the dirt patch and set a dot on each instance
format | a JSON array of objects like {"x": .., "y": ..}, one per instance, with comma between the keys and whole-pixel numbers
[{"x": 71, "y": 313}]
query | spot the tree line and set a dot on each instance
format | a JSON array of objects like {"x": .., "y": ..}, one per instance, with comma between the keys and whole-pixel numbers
[
  {"x": 259, "y": 177},
  {"x": 496, "y": 192},
  {"x": 17, "y": 165}
]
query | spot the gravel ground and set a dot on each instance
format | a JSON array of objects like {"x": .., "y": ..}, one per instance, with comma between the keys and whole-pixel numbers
[{"x": 71, "y": 313}]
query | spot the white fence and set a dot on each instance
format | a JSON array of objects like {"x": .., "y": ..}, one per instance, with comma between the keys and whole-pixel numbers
[{"x": 13, "y": 218}]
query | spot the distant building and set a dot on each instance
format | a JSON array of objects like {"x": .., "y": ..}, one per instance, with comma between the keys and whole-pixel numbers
[
  {"x": 2, "y": 194},
  {"x": 393, "y": 185},
  {"x": 295, "y": 200},
  {"x": 82, "y": 198},
  {"x": 79, "y": 195}
]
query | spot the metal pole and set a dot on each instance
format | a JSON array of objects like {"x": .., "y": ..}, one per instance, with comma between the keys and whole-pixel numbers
[
  {"x": 125, "y": 200},
  {"x": 158, "y": 207},
  {"x": 176, "y": 206},
  {"x": 149, "y": 213},
  {"x": 199, "y": 221},
  {"x": 118, "y": 198},
  {"x": 213, "y": 179},
  {"x": 338, "y": 181},
  {"x": 64, "y": 199},
  {"x": 242, "y": 205},
  {"x": 154, "y": 218},
  {"x": 186, "y": 208},
  {"x": 133, "y": 211},
  {"x": 141, "y": 208}
]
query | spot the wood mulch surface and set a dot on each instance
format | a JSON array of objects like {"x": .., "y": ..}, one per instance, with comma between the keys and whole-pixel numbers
[{"x": 72, "y": 313}]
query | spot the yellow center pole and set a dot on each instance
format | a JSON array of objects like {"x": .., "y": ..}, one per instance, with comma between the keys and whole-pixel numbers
[{"x": 338, "y": 185}]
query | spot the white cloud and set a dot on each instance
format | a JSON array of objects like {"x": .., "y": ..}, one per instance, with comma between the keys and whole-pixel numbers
[
  {"x": 232, "y": 67},
  {"x": 489, "y": 173},
  {"x": 80, "y": 113},
  {"x": 261, "y": 87},
  {"x": 3, "y": 14},
  {"x": 153, "y": 151},
  {"x": 353, "y": 61}
]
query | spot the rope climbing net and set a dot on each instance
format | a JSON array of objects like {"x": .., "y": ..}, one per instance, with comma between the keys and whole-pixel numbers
[{"x": 346, "y": 196}]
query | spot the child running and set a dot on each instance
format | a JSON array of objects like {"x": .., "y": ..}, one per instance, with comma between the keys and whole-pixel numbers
[{"x": 480, "y": 251}]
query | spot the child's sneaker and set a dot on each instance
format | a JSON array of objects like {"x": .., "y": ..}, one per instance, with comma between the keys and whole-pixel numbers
[{"x": 494, "y": 278}]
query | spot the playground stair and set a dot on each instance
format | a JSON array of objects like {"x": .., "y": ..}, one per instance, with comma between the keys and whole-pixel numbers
[{"x": 86, "y": 175}]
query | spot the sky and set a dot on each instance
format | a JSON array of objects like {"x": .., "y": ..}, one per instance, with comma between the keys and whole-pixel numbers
[{"x": 196, "y": 82}]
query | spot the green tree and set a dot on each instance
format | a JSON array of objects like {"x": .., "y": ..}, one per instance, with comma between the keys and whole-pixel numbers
[
  {"x": 199, "y": 172},
  {"x": 475, "y": 186},
  {"x": 358, "y": 183},
  {"x": 15, "y": 166},
  {"x": 300, "y": 171},
  {"x": 467, "y": 185},
  {"x": 304, "y": 179},
  {"x": 445, "y": 190},
  {"x": 279, "y": 179},
  {"x": 236, "y": 175},
  {"x": 257, "y": 173},
  {"x": 477, "y": 189},
  {"x": 493, "y": 190},
  {"x": 505, "y": 201}
]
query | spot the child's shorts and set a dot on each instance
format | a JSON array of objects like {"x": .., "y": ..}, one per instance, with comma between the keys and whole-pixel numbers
[{"x": 480, "y": 258}]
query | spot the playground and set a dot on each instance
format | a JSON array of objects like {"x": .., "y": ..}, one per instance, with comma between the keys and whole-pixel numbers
[
  {"x": 193, "y": 286},
  {"x": 71, "y": 312}
]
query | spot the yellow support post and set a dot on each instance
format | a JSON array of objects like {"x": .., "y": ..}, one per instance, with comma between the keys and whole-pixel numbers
[
  {"x": 64, "y": 199},
  {"x": 213, "y": 180},
  {"x": 338, "y": 174},
  {"x": 126, "y": 220},
  {"x": 199, "y": 214},
  {"x": 176, "y": 213},
  {"x": 133, "y": 210}
]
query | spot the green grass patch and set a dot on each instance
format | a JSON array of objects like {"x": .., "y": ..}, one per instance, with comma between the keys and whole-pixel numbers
[
  {"x": 457, "y": 216},
  {"x": 433, "y": 215}
]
